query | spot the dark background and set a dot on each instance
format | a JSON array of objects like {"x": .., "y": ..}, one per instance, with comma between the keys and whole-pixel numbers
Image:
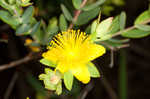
[{"x": 137, "y": 62}]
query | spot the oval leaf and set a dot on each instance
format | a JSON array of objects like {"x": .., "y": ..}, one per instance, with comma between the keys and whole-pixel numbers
[
  {"x": 68, "y": 80},
  {"x": 143, "y": 27},
  {"x": 142, "y": 17},
  {"x": 77, "y": 3},
  {"x": 93, "y": 5},
  {"x": 135, "y": 33},
  {"x": 86, "y": 16},
  {"x": 47, "y": 62},
  {"x": 122, "y": 20},
  {"x": 93, "y": 70},
  {"x": 66, "y": 12},
  {"x": 59, "y": 89},
  {"x": 103, "y": 28},
  {"x": 9, "y": 19},
  {"x": 27, "y": 15},
  {"x": 63, "y": 23},
  {"x": 23, "y": 29}
]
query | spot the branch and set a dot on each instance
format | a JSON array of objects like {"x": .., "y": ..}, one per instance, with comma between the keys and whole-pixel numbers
[
  {"x": 109, "y": 89},
  {"x": 77, "y": 13},
  {"x": 10, "y": 86},
  {"x": 85, "y": 91},
  {"x": 129, "y": 28},
  {"x": 16, "y": 63}
]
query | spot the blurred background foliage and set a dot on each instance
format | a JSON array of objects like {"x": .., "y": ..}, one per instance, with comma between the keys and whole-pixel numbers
[{"x": 27, "y": 27}]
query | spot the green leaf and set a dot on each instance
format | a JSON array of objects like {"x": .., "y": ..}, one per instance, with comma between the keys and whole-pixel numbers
[
  {"x": 93, "y": 5},
  {"x": 48, "y": 84},
  {"x": 115, "y": 26},
  {"x": 104, "y": 27},
  {"x": 35, "y": 28},
  {"x": 93, "y": 30},
  {"x": 52, "y": 25},
  {"x": 11, "y": 2},
  {"x": 119, "y": 40},
  {"x": 9, "y": 19},
  {"x": 88, "y": 29},
  {"x": 77, "y": 3},
  {"x": 86, "y": 16},
  {"x": 93, "y": 70},
  {"x": 103, "y": 38},
  {"x": 63, "y": 23},
  {"x": 135, "y": 33},
  {"x": 68, "y": 80},
  {"x": 6, "y": 5},
  {"x": 47, "y": 79},
  {"x": 23, "y": 29},
  {"x": 59, "y": 88},
  {"x": 66, "y": 13},
  {"x": 143, "y": 27},
  {"x": 47, "y": 62},
  {"x": 122, "y": 20},
  {"x": 142, "y": 17},
  {"x": 27, "y": 15}
]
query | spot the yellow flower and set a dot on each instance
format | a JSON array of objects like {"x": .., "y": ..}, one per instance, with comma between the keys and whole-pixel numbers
[{"x": 72, "y": 50}]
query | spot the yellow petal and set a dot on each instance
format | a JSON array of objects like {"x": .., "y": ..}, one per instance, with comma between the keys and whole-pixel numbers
[
  {"x": 94, "y": 51},
  {"x": 62, "y": 67},
  {"x": 81, "y": 73},
  {"x": 52, "y": 55}
]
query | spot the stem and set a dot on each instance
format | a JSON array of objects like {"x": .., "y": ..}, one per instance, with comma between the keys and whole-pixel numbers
[
  {"x": 16, "y": 63},
  {"x": 129, "y": 28},
  {"x": 109, "y": 89},
  {"x": 122, "y": 76},
  {"x": 77, "y": 13},
  {"x": 11, "y": 86}
]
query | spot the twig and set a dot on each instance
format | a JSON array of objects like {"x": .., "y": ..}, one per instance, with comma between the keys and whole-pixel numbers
[
  {"x": 109, "y": 89},
  {"x": 10, "y": 86},
  {"x": 77, "y": 13},
  {"x": 129, "y": 28},
  {"x": 16, "y": 63},
  {"x": 111, "y": 59},
  {"x": 86, "y": 90}
]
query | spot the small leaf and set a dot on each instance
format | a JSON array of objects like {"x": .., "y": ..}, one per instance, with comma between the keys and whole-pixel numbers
[
  {"x": 103, "y": 38},
  {"x": 93, "y": 5},
  {"x": 53, "y": 25},
  {"x": 93, "y": 70},
  {"x": 66, "y": 12},
  {"x": 103, "y": 28},
  {"x": 93, "y": 30},
  {"x": 142, "y": 17},
  {"x": 115, "y": 26},
  {"x": 23, "y": 29},
  {"x": 11, "y": 2},
  {"x": 143, "y": 27},
  {"x": 77, "y": 3},
  {"x": 48, "y": 84},
  {"x": 27, "y": 15},
  {"x": 9, "y": 19},
  {"x": 122, "y": 20},
  {"x": 47, "y": 62},
  {"x": 35, "y": 28},
  {"x": 6, "y": 5},
  {"x": 68, "y": 80},
  {"x": 86, "y": 16},
  {"x": 59, "y": 88},
  {"x": 63, "y": 23},
  {"x": 88, "y": 29},
  {"x": 135, "y": 33}
]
